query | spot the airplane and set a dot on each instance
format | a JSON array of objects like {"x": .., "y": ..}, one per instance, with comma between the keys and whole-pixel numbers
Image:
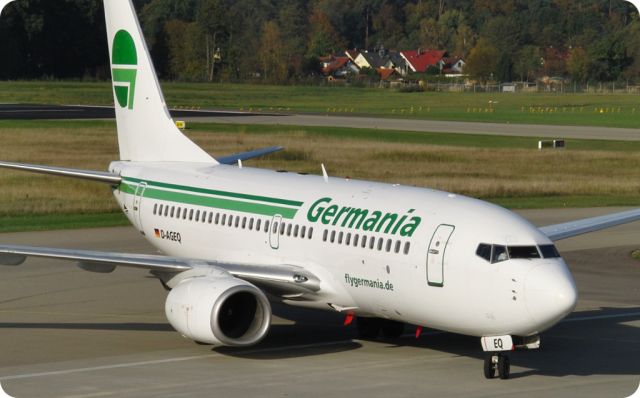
[{"x": 237, "y": 238}]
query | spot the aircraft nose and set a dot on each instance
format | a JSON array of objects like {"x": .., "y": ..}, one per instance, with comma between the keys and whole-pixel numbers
[{"x": 550, "y": 294}]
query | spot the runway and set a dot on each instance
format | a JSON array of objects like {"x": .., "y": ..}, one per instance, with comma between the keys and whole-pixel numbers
[
  {"x": 70, "y": 333},
  {"x": 56, "y": 112}
]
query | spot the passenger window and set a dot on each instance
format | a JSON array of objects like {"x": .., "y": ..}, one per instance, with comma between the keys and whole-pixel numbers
[
  {"x": 407, "y": 247},
  {"x": 372, "y": 242},
  {"x": 244, "y": 222},
  {"x": 217, "y": 219},
  {"x": 484, "y": 251},
  {"x": 333, "y": 236},
  {"x": 258, "y": 224},
  {"x": 198, "y": 215},
  {"x": 224, "y": 219},
  {"x": 303, "y": 231},
  {"x": 397, "y": 250},
  {"x": 204, "y": 216},
  {"x": 251, "y": 223},
  {"x": 184, "y": 214},
  {"x": 364, "y": 241},
  {"x": 160, "y": 209},
  {"x": 266, "y": 225},
  {"x": 289, "y": 229},
  {"x": 155, "y": 208},
  {"x": 173, "y": 210},
  {"x": 282, "y": 228},
  {"x": 549, "y": 251},
  {"x": 166, "y": 211},
  {"x": 499, "y": 254},
  {"x": 324, "y": 235},
  {"x": 310, "y": 232},
  {"x": 210, "y": 217},
  {"x": 380, "y": 243},
  {"x": 275, "y": 228},
  {"x": 295, "y": 231},
  {"x": 230, "y": 223},
  {"x": 347, "y": 240},
  {"x": 389, "y": 243},
  {"x": 237, "y": 221},
  {"x": 191, "y": 215},
  {"x": 355, "y": 240}
]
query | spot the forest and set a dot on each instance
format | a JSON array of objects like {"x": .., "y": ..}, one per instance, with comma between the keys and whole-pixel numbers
[{"x": 280, "y": 41}]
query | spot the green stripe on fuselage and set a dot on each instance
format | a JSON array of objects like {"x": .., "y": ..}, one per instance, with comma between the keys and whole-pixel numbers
[
  {"x": 219, "y": 203},
  {"x": 216, "y": 192}
]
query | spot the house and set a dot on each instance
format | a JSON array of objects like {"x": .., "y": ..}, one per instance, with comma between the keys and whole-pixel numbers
[
  {"x": 338, "y": 67},
  {"x": 374, "y": 60},
  {"x": 453, "y": 66},
  {"x": 420, "y": 60},
  {"x": 352, "y": 54}
]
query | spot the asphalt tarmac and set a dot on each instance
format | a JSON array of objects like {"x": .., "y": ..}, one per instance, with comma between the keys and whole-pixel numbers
[
  {"x": 79, "y": 112},
  {"x": 53, "y": 112},
  {"x": 70, "y": 333}
]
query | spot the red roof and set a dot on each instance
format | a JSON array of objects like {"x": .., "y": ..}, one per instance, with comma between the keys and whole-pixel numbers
[
  {"x": 421, "y": 60},
  {"x": 337, "y": 63}
]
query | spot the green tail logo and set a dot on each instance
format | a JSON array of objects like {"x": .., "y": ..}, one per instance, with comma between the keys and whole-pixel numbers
[{"x": 124, "y": 59}]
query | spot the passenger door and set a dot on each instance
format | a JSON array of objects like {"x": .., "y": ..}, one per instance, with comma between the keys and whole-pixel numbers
[
  {"x": 436, "y": 254},
  {"x": 137, "y": 204}
]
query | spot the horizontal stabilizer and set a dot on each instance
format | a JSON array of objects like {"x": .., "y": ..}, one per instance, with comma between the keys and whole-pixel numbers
[
  {"x": 98, "y": 176},
  {"x": 242, "y": 156}
]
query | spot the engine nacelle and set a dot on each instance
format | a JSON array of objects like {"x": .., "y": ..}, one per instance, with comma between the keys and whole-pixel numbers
[{"x": 219, "y": 310}]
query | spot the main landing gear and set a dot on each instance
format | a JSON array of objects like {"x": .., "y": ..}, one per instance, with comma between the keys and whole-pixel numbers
[{"x": 497, "y": 362}]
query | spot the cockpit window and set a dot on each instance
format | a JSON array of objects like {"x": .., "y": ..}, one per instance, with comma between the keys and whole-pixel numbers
[
  {"x": 527, "y": 252},
  {"x": 499, "y": 254},
  {"x": 549, "y": 251},
  {"x": 484, "y": 251}
]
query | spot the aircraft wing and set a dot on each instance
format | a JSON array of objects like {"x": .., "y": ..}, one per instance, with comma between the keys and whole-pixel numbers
[
  {"x": 586, "y": 225},
  {"x": 281, "y": 280}
]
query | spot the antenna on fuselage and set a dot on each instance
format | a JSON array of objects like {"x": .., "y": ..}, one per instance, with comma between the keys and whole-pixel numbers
[{"x": 324, "y": 173}]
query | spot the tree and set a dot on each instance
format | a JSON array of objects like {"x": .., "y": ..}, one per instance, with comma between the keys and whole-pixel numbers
[
  {"x": 212, "y": 20},
  {"x": 527, "y": 62},
  {"x": 272, "y": 58},
  {"x": 482, "y": 61},
  {"x": 578, "y": 64}
]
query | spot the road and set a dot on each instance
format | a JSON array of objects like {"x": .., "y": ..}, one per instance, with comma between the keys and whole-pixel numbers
[
  {"x": 34, "y": 112},
  {"x": 69, "y": 333}
]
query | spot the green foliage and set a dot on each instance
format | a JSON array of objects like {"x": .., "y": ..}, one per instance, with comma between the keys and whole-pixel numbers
[{"x": 222, "y": 38}]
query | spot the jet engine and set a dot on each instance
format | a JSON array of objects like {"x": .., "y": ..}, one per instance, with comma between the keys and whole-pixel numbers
[{"x": 219, "y": 310}]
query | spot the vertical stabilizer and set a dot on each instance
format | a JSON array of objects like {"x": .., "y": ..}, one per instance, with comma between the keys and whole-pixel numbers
[{"x": 146, "y": 131}]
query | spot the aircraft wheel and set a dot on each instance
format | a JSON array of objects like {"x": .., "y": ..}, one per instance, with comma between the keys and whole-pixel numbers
[
  {"x": 369, "y": 328},
  {"x": 504, "y": 367},
  {"x": 489, "y": 367},
  {"x": 392, "y": 329}
]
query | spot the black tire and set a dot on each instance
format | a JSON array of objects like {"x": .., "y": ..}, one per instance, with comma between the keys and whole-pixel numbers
[
  {"x": 504, "y": 367},
  {"x": 369, "y": 328},
  {"x": 392, "y": 329},
  {"x": 489, "y": 369}
]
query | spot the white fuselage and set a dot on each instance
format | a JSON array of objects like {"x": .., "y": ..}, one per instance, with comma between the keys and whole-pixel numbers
[{"x": 418, "y": 263}]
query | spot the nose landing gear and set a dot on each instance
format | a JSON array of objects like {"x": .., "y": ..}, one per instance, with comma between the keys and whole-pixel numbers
[{"x": 496, "y": 362}]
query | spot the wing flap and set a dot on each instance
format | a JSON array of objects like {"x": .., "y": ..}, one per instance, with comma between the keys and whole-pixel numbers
[{"x": 584, "y": 226}]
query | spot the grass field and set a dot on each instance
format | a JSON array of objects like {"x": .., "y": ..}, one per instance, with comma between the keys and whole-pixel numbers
[
  {"x": 612, "y": 110},
  {"x": 505, "y": 170}
]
